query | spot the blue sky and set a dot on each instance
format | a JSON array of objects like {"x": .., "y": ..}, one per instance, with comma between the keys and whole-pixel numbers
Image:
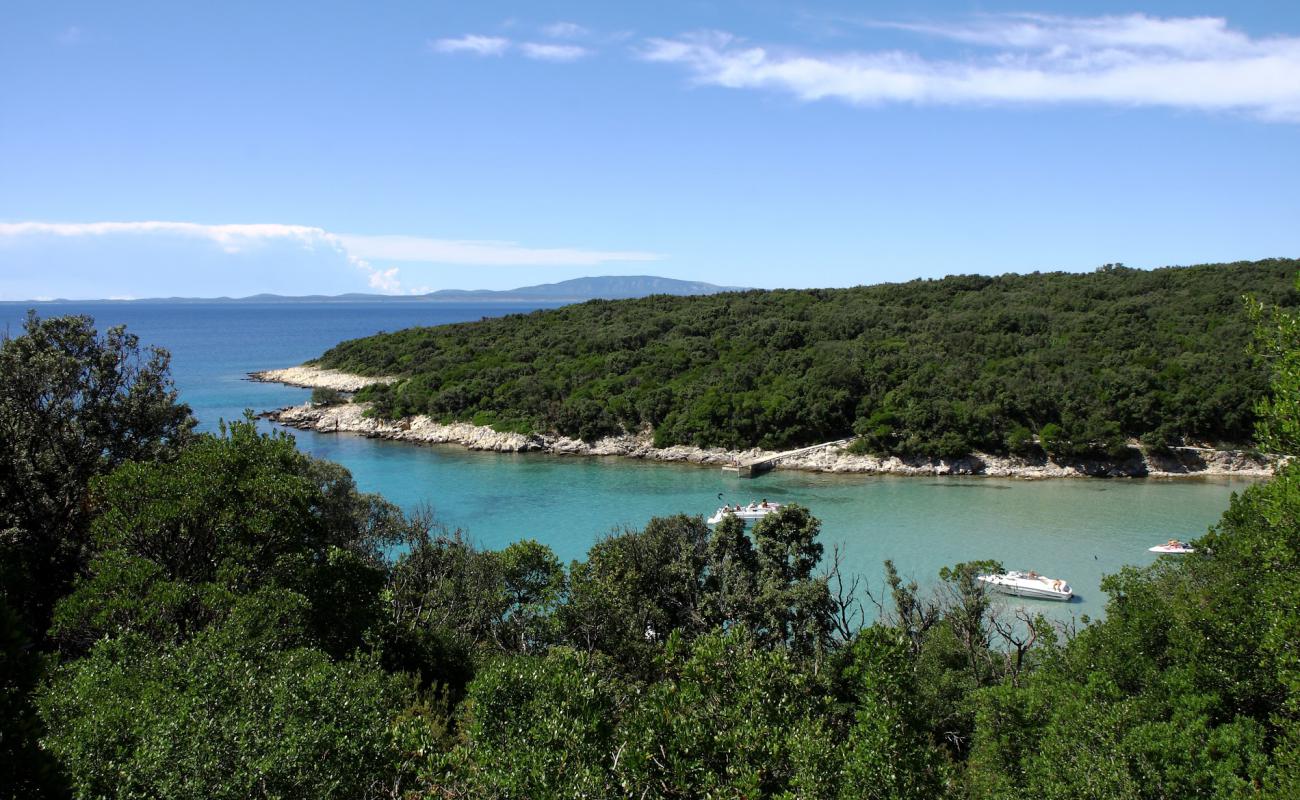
[{"x": 166, "y": 148}]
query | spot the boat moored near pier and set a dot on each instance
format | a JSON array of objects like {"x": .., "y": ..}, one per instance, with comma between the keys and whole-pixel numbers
[{"x": 748, "y": 514}]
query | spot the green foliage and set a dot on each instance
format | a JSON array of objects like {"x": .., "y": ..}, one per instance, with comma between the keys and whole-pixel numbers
[
  {"x": 731, "y": 588},
  {"x": 73, "y": 405},
  {"x": 176, "y": 541},
  {"x": 928, "y": 368},
  {"x": 729, "y": 719},
  {"x": 216, "y": 718},
  {"x": 1189, "y": 686},
  {"x": 28, "y": 769},
  {"x": 325, "y": 396},
  {"x": 449, "y": 601},
  {"x": 889, "y": 751},
  {"x": 534, "y": 726},
  {"x": 1020, "y": 440},
  {"x": 534, "y": 585},
  {"x": 793, "y": 606},
  {"x": 1277, "y": 345},
  {"x": 636, "y": 588}
]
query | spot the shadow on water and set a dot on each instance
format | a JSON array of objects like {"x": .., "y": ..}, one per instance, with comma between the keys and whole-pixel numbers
[{"x": 955, "y": 485}]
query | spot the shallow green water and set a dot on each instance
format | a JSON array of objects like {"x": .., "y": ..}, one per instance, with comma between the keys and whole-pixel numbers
[{"x": 1073, "y": 529}]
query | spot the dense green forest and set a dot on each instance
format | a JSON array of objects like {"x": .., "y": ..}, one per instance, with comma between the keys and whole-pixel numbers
[
  {"x": 1077, "y": 364},
  {"x": 214, "y": 616}
]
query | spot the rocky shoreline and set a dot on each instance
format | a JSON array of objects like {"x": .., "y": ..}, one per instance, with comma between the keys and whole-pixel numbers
[
  {"x": 350, "y": 418},
  {"x": 309, "y": 377}
]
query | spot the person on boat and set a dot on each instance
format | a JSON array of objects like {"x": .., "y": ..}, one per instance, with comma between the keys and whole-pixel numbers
[{"x": 764, "y": 503}]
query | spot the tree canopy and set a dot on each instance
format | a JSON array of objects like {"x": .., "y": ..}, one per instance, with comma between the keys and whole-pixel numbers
[{"x": 74, "y": 404}]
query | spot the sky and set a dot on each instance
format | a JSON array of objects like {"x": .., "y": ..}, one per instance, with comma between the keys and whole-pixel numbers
[{"x": 222, "y": 149}]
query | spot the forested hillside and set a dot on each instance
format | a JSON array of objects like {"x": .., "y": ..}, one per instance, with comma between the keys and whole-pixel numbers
[{"x": 1077, "y": 362}]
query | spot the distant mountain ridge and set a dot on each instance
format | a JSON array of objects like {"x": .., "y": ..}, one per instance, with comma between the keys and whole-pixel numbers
[
  {"x": 614, "y": 287},
  {"x": 607, "y": 287}
]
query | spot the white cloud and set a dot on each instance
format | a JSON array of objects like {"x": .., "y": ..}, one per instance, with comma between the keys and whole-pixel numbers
[
  {"x": 553, "y": 52},
  {"x": 357, "y": 250},
  {"x": 386, "y": 281},
  {"x": 500, "y": 254},
  {"x": 565, "y": 30},
  {"x": 1192, "y": 63},
  {"x": 472, "y": 43},
  {"x": 230, "y": 238},
  {"x": 1187, "y": 35}
]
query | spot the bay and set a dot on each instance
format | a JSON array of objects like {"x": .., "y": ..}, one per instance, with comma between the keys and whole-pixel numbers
[{"x": 1075, "y": 529}]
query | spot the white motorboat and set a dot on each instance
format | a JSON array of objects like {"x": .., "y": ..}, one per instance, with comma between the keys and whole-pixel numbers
[
  {"x": 749, "y": 513},
  {"x": 1173, "y": 547},
  {"x": 1029, "y": 584}
]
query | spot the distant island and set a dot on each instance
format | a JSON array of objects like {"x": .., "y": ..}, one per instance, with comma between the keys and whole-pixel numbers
[
  {"x": 1049, "y": 367},
  {"x": 576, "y": 290}
]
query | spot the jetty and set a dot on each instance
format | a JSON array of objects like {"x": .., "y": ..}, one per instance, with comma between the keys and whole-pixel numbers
[{"x": 753, "y": 467}]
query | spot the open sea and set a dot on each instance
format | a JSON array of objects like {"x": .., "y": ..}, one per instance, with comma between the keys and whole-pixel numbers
[{"x": 1078, "y": 530}]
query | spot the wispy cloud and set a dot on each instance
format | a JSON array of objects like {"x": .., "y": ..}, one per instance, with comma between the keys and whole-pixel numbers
[
  {"x": 230, "y": 239},
  {"x": 564, "y": 30},
  {"x": 472, "y": 43},
  {"x": 358, "y": 250},
  {"x": 553, "y": 52},
  {"x": 1136, "y": 60},
  {"x": 479, "y": 45},
  {"x": 1186, "y": 35}
]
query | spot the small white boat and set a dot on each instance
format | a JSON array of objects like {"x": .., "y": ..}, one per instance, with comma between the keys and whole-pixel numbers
[
  {"x": 749, "y": 513},
  {"x": 1173, "y": 547},
  {"x": 1029, "y": 584}
]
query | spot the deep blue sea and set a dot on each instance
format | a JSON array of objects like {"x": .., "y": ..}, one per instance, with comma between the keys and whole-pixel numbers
[{"x": 1074, "y": 529}]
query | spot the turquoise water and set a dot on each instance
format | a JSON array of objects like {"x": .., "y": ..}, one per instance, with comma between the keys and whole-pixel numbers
[{"x": 1074, "y": 529}]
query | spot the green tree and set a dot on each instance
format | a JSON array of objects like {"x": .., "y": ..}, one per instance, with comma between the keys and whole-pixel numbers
[
  {"x": 73, "y": 404},
  {"x": 224, "y": 716},
  {"x": 794, "y": 606},
  {"x": 636, "y": 588},
  {"x": 533, "y": 727},
  {"x": 1277, "y": 344},
  {"x": 29, "y": 770},
  {"x": 535, "y": 585},
  {"x": 888, "y": 752},
  {"x": 324, "y": 396},
  {"x": 177, "y": 541},
  {"x": 730, "y": 718},
  {"x": 731, "y": 589}
]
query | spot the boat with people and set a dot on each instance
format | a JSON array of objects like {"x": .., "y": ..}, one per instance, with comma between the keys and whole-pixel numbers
[
  {"x": 747, "y": 514},
  {"x": 1173, "y": 547},
  {"x": 1028, "y": 584}
]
